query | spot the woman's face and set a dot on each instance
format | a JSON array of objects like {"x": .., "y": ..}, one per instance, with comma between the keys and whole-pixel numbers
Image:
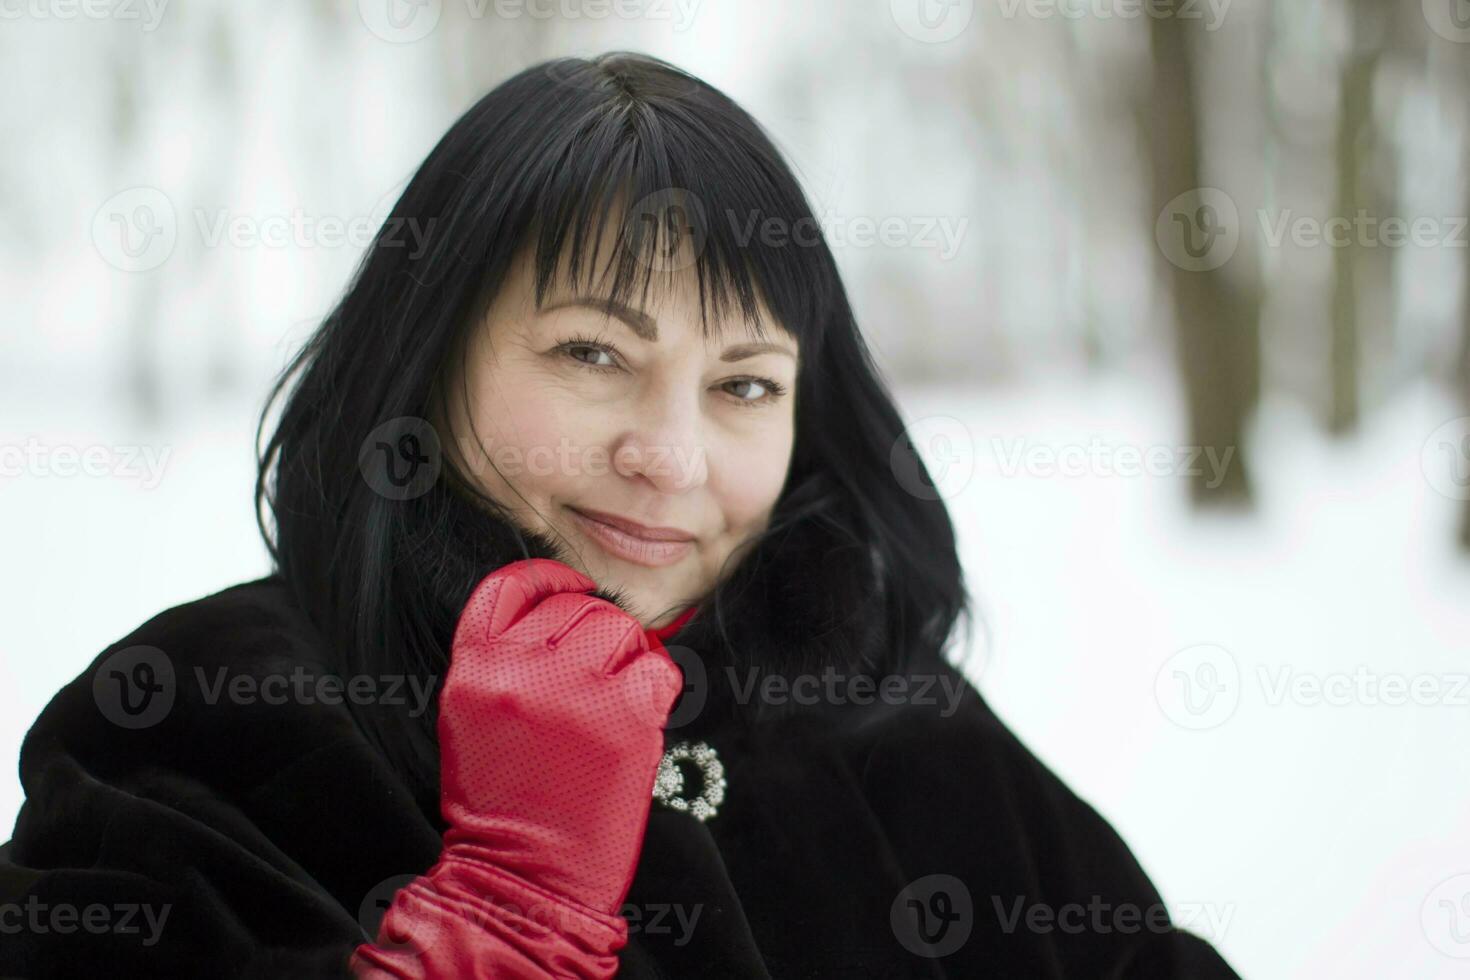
[{"x": 573, "y": 418}]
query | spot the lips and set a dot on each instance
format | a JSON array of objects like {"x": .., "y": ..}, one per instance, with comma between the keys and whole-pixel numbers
[
  {"x": 626, "y": 539},
  {"x": 633, "y": 528}
]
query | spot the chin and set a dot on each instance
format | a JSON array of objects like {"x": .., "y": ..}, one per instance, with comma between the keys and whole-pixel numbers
[{"x": 647, "y": 605}]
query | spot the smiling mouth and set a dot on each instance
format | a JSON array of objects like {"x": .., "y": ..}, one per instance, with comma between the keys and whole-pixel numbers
[{"x": 651, "y": 547}]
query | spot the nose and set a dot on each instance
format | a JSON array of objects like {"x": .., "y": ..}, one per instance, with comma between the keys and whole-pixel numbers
[{"x": 663, "y": 443}]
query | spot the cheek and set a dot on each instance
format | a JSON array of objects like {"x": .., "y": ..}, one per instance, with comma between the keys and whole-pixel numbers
[
  {"x": 751, "y": 481},
  {"x": 532, "y": 431}
]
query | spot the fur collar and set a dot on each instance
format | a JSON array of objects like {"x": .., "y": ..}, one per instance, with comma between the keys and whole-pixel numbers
[{"x": 801, "y": 602}]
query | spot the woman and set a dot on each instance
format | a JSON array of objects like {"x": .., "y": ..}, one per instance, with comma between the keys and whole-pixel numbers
[{"x": 587, "y": 494}]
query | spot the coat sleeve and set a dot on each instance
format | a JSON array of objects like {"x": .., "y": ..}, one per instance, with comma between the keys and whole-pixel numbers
[
  {"x": 138, "y": 851},
  {"x": 1046, "y": 886}
]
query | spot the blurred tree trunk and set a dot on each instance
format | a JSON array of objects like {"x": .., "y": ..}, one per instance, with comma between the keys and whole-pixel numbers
[
  {"x": 1462, "y": 362},
  {"x": 141, "y": 379},
  {"x": 1462, "y": 370},
  {"x": 1352, "y": 278},
  {"x": 1216, "y": 319},
  {"x": 1449, "y": 67}
]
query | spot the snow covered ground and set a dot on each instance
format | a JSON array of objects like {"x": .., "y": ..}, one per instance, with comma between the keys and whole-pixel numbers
[{"x": 1228, "y": 691}]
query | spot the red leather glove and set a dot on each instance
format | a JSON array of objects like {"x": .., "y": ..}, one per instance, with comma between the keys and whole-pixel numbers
[{"x": 550, "y": 734}]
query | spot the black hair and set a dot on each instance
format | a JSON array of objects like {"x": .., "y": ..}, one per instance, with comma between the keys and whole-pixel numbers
[{"x": 858, "y": 567}]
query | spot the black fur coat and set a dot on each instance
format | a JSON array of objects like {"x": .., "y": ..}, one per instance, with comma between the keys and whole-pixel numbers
[{"x": 200, "y": 803}]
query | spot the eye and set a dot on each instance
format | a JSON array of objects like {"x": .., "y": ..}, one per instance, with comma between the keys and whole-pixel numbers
[
  {"x": 754, "y": 392},
  {"x": 591, "y": 353}
]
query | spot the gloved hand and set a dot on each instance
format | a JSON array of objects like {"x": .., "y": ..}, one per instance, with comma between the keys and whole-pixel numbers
[{"x": 550, "y": 733}]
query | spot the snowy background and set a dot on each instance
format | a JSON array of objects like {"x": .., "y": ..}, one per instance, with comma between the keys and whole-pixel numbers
[{"x": 1269, "y": 700}]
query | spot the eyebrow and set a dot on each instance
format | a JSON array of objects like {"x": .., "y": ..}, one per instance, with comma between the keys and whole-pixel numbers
[{"x": 647, "y": 328}]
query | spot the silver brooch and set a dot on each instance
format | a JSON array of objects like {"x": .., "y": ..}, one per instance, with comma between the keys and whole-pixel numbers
[{"x": 668, "y": 785}]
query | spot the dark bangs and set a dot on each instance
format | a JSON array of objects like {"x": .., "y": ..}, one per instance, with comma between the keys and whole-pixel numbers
[{"x": 679, "y": 178}]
